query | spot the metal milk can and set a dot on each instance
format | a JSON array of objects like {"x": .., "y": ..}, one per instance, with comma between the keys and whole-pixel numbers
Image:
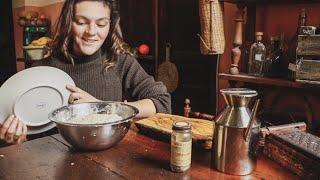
[{"x": 236, "y": 133}]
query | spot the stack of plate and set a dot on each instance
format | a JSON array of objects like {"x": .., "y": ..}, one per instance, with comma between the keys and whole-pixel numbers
[{"x": 32, "y": 94}]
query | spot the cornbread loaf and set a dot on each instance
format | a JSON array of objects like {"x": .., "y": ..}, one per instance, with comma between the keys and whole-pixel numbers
[{"x": 159, "y": 127}]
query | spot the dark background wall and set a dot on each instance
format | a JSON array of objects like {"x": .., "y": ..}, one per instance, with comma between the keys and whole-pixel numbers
[
  {"x": 178, "y": 23},
  {"x": 7, "y": 50}
]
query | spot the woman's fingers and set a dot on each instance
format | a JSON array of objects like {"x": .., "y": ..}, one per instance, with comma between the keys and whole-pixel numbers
[
  {"x": 18, "y": 133},
  {"x": 12, "y": 130},
  {"x": 23, "y": 137},
  {"x": 74, "y": 97},
  {"x": 81, "y": 101},
  {"x": 73, "y": 88},
  {"x": 5, "y": 126},
  {"x": 85, "y": 100},
  {"x": 79, "y": 96}
]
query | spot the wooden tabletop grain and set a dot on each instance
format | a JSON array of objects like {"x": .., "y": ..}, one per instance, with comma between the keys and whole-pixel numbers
[{"x": 135, "y": 157}]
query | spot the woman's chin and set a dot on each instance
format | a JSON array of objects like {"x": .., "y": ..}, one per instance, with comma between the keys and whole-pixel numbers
[{"x": 88, "y": 52}]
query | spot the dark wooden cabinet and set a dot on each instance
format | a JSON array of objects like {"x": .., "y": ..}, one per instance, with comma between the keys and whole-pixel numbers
[
  {"x": 176, "y": 22},
  {"x": 137, "y": 22},
  {"x": 7, "y": 49}
]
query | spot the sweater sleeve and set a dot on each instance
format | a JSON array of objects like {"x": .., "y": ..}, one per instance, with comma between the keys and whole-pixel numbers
[{"x": 137, "y": 83}]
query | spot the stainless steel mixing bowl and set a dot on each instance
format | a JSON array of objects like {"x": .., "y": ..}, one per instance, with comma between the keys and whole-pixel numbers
[{"x": 93, "y": 136}]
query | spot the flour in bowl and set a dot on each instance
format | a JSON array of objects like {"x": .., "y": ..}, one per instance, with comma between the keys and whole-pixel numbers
[{"x": 95, "y": 119}]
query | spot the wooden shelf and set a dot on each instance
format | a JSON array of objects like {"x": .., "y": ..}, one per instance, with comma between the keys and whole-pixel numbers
[
  {"x": 271, "y": 1},
  {"x": 269, "y": 81}
]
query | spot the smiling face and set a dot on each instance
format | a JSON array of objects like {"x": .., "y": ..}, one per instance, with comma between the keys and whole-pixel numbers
[{"x": 90, "y": 27}]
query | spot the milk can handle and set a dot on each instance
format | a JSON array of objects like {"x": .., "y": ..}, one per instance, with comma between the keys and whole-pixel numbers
[{"x": 252, "y": 118}]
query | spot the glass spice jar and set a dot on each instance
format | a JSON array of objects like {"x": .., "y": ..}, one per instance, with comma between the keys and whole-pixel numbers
[
  {"x": 257, "y": 57},
  {"x": 181, "y": 146}
]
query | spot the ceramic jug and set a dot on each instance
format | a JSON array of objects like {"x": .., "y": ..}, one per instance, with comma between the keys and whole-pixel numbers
[{"x": 236, "y": 133}]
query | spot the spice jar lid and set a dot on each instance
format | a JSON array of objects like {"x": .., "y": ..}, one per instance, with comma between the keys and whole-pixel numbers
[{"x": 181, "y": 126}]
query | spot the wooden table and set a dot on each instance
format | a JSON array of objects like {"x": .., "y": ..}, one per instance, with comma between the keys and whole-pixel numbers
[{"x": 135, "y": 157}]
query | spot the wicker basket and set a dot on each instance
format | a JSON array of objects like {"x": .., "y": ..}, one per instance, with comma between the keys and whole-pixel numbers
[{"x": 212, "y": 39}]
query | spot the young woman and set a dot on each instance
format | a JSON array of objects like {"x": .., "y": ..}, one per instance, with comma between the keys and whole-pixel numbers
[{"x": 88, "y": 45}]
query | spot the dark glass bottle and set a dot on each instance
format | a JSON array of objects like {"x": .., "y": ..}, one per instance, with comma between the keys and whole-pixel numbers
[
  {"x": 271, "y": 49},
  {"x": 276, "y": 58}
]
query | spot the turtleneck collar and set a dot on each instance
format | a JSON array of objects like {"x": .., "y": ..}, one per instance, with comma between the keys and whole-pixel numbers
[
  {"x": 87, "y": 58},
  {"x": 81, "y": 59}
]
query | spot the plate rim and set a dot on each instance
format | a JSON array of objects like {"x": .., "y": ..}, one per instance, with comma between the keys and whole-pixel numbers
[{"x": 47, "y": 80}]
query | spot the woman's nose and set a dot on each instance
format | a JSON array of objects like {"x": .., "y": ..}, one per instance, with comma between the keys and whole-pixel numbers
[{"x": 91, "y": 29}]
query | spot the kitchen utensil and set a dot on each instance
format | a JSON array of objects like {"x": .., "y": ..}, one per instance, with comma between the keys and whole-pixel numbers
[
  {"x": 236, "y": 133},
  {"x": 93, "y": 136},
  {"x": 32, "y": 94},
  {"x": 167, "y": 72}
]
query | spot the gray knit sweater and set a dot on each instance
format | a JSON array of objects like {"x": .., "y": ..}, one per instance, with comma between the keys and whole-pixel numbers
[{"x": 127, "y": 79}]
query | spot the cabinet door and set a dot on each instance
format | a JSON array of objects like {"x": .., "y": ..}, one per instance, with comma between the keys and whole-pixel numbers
[
  {"x": 138, "y": 27},
  {"x": 178, "y": 23},
  {"x": 7, "y": 49},
  {"x": 137, "y": 22},
  {"x": 196, "y": 71}
]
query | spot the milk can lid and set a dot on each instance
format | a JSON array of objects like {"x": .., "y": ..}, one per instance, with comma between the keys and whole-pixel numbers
[{"x": 239, "y": 92}]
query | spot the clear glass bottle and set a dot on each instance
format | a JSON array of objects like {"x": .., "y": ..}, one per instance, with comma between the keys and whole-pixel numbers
[
  {"x": 181, "y": 146},
  {"x": 257, "y": 56}
]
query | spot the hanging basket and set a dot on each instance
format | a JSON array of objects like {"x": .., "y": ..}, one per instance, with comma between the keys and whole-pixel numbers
[{"x": 212, "y": 32}]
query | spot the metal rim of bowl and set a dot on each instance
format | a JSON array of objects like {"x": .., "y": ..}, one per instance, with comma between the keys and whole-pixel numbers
[{"x": 135, "y": 112}]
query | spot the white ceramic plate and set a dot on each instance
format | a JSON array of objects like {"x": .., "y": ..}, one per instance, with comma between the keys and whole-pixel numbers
[
  {"x": 32, "y": 94},
  {"x": 40, "y": 129}
]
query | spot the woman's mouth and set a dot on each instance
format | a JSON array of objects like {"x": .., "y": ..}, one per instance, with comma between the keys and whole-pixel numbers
[{"x": 89, "y": 41}]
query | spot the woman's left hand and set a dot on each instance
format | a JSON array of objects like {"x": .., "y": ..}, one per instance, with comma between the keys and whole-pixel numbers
[{"x": 79, "y": 96}]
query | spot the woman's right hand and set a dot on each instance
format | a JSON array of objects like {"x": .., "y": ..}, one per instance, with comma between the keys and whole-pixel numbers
[{"x": 13, "y": 130}]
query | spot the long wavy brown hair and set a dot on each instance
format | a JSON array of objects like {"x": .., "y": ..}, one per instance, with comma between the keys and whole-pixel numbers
[{"x": 113, "y": 44}]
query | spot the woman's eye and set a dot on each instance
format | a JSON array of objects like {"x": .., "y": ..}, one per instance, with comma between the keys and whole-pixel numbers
[
  {"x": 102, "y": 25},
  {"x": 80, "y": 23}
]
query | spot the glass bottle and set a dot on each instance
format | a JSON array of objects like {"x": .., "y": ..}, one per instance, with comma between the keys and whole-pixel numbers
[
  {"x": 27, "y": 36},
  {"x": 270, "y": 57},
  {"x": 257, "y": 56},
  {"x": 181, "y": 146}
]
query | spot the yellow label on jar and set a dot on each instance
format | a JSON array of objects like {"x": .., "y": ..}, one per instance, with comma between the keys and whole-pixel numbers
[{"x": 181, "y": 153}]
